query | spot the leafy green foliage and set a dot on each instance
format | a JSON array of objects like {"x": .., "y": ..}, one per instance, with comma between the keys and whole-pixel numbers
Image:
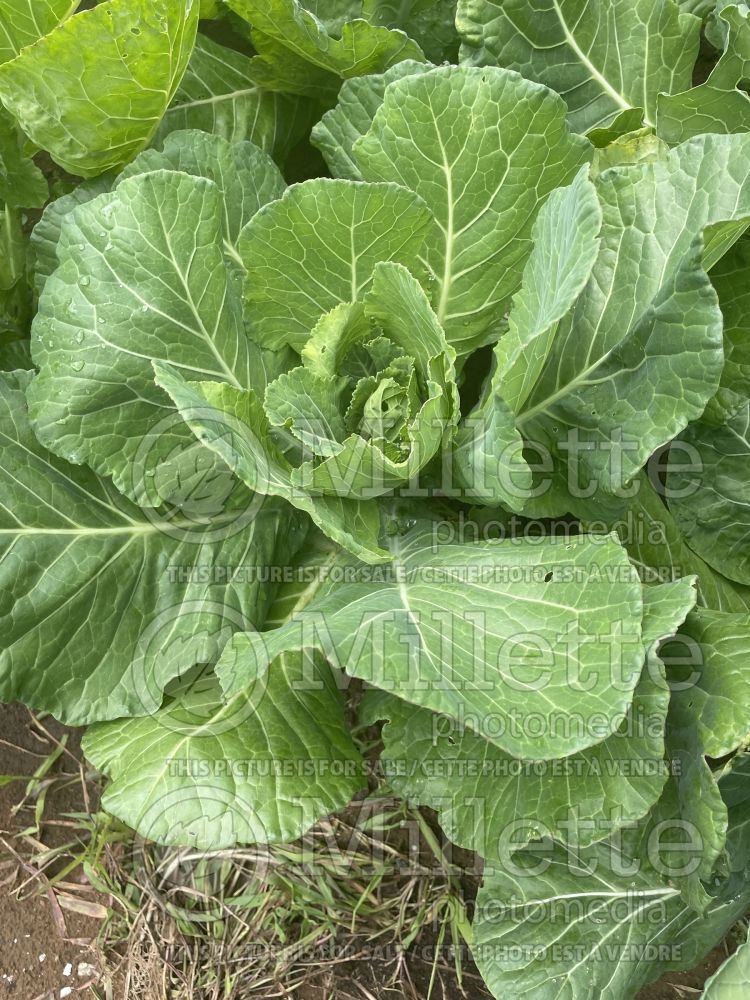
[
  {"x": 78, "y": 558},
  {"x": 484, "y": 794},
  {"x": 299, "y": 53},
  {"x": 131, "y": 272},
  {"x": 603, "y": 58},
  {"x": 220, "y": 95},
  {"x": 23, "y": 22},
  {"x": 297, "y": 715},
  {"x": 96, "y": 113},
  {"x": 453, "y": 440},
  {"x": 474, "y": 195},
  {"x": 718, "y": 105}
]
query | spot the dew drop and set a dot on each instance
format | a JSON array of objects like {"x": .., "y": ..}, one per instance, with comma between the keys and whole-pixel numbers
[
  {"x": 77, "y": 366},
  {"x": 85, "y": 281}
]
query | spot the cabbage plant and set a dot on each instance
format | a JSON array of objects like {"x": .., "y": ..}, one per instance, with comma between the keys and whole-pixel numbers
[{"x": 376, "y": 367}]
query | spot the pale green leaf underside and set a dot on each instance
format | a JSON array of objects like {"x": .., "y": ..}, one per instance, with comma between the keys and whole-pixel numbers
[
  {"x": 566, "y": 247},
  {"x": 488, "y": 455},
  {"x": 102, "y": 606},
  {"x": 93, "y": 91},
  {"x": 476, "y": 619}
]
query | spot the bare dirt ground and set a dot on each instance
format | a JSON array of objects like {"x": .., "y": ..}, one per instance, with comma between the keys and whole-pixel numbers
[{"x": 43, "y": 946}]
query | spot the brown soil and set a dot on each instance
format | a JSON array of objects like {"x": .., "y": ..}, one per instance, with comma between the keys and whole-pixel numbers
[
  {"x": 667, "y": 988},
  {"x": 31, "y": 925}
]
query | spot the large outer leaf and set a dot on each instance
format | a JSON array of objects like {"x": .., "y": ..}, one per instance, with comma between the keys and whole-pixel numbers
[
  {"x": 718, "y": 105},
  {"x": 712, "y": 506},
  {"x": 732, "y": 980},
  {"x": 567, "y": 925},
  {"x": 602, "y": 57},
  {"x": 488, "y": 450},
  {"x": 461, "y": 629},
  {"x": 610, "y": 403},
  {"x": 357, "y": 104},
  {"x": 101, "y": 605},
  {"x": 641, "y": 353},
  {"x": 660, "y": 553},
  {"x": 263, "y": 767},
  {"x": 233, "y": 424},
  {"x": 491, "y": 803},
  {"x": 246, "y": 177},
  {"x": 712, "y": 686},
  {"x": 298, "y": 54},
  {"x": 143, "y": 275},
  {"x": 22, "y": 22},
  {"x": 219, "y": 95},
  {"x": 318, "y": 247},
  {"x": 484, "y": 149},
  {"x": 94, "y": 90}
]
